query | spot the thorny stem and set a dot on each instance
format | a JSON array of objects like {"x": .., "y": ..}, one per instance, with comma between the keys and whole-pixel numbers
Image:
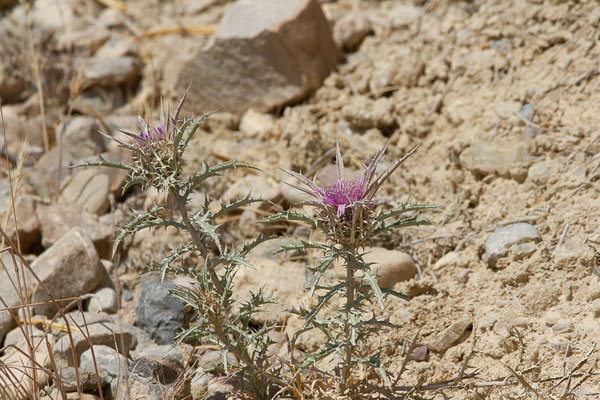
[
  {"x": 196, "y": 238},
  {"x": 350, "y": 261},
  {"x": 223, "y": 336}
]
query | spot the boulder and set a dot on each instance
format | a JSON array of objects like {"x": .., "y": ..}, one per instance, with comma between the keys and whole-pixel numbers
[{"x": 264, "y": 54}]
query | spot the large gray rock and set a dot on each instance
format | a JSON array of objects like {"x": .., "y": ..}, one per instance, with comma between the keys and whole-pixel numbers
[
  {"x": 158, "y": 312},
  {"x": 69, "y": 268},
  {"x": 264, "y": 54},
  {"x": 517, "y": 239}
]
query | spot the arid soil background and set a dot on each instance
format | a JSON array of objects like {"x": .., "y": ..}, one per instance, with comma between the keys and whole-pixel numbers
[{"x": 502, "y": 97}]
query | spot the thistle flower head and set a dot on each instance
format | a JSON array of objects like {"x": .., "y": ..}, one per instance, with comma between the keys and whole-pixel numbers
[
  {"x": 348, "y": 200},
  {"x": 342, "y": 194},
  {"x": 152, "y": 135}
]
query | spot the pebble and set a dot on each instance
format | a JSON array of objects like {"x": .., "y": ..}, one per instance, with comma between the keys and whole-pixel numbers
[
  {"x": 350, "y": 30},
  {"x": 508, "y": 239},
  {"x": 526, "y": 111},
  {"x": 81, "y": 133},
  {"x": 394, "y": 266},
  {"x": 102, "y": 332},
  {"x": 83, "y": 378},
  {"x": 596, "y": 308},
  {"x": 106, "y": 359},
  {"x": 89, "y": 188},
  {"x": 420, "y": 353},
  {"x": 57, "y": 219},
  {"x": 363, "y": 113},
  {"x": 257, "y": 124},
  {"x": 104, "y": 300},
  {"x": 28, "y": 222},
  {"x": 452, "y": 335},
  {"x": 108, "y": 71},
  {"x": 501, "y": 158},
  {"x": 463, "y": 275}
]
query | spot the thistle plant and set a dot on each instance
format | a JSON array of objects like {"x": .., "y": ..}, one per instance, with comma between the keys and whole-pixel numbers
[
  {"x": 349, "y": 218},
  {"x": 157, "y": 162}
]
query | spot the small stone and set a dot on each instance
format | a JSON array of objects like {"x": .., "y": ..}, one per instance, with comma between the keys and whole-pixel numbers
[
  {"x": 562, "y": 327},
  {"x": 69, "y": 268},
  {"x": 596, "y": 308},
  {"x": 103, "y": 332},
  {"x": 420, "y": 353},
  {"x": 88, "y": 188},
  {"x": 500, "y": 158},
  {"x": 104, "y": 300},
  {"x": 86, "y": 378},
  {"x": 84, "y": 37},
  {"x": 15, "y": 374},
  {"x": 256, "y": 124},
  {"x": 503, "y": 241},
  {"x": 363, "y": 113},
  {"x": 108, "y": 71},
  {"x": 58, "y": 219},
  {"x": 543, "y": 172},
  {"x": 11, "y": 296},
  {"x": 594, "y": 293},
  {"x": 574, "y": 251},
  {"x": 463, "y": 275},
  {"x": 350, "y": 30},
  {"x": 394, "y": 266},
  {"x": 264, "y": 54},
  {"x": 452, "y": 335},
  {"x": 28, "y": 222},
  {"x": 81, "y": 134},
  {"x": 100, "y": 99},
  {"x": 127, "y": 295},
  {"x": 259, "y": 186},
  {"x": 59, "y": 161},
  {"x": 107, "y": 359},
  {"x": 526, "y": 111},
  {"x": 158, "y": 312}
]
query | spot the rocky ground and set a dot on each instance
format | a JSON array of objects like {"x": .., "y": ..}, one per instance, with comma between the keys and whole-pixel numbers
[{"x": 501, "y": 96}]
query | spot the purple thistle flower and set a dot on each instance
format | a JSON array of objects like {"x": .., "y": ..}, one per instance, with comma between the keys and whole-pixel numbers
[
  {"x": 345, "y": 193},
  {"x": 342, "y": 193},
  {"x": 152, "y": 135}
]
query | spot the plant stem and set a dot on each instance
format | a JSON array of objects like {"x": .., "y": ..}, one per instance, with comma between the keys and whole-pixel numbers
[
  {"x": 350, "y": 261},
  {"x": 196, "y": 238}
]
